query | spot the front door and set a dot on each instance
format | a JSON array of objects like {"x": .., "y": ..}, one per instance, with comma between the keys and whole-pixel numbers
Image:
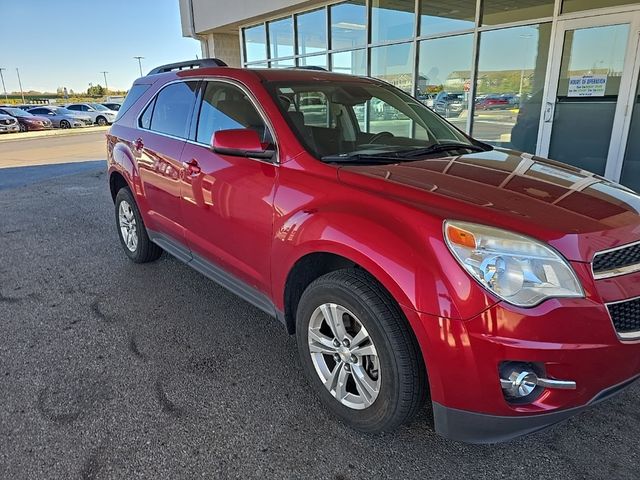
[
  {"x": 227, "y": 201},
  {"x": 589, "y": 89}
]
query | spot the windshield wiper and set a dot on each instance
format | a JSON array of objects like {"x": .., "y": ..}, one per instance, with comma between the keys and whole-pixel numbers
[
  {"x": 363, "y": 158},
  {"x": 441, "y": 147}
]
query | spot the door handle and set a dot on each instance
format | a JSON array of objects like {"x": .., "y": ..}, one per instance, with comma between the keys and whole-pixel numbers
[
  {"x": 548, "y": 111},
  {"x": 138, "y": 144},
  {"x": 192, "y": 167}
]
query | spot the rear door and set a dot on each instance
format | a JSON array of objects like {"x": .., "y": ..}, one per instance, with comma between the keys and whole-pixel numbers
[
  {"x": 228, "y": 202},
  {"x": 163, "y": 128}
]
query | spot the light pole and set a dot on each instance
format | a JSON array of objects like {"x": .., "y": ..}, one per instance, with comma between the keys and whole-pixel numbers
[
  {"x": 20, "y": 83},
  {"x": 106, "y": 86},
  {"x": 6, "y": 97},
  {"x": 139, "y": 64},
  {"x": 526, "y": 38}
]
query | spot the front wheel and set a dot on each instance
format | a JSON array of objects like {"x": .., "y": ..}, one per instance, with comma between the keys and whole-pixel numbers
[
  {"x": 358, "y": 352},
  {"x": 101, "y": 121},
  {"x": 64, "y": 124}
]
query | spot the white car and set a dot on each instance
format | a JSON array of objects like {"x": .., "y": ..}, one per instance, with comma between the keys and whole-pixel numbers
[{"x": 99, "y": 113}]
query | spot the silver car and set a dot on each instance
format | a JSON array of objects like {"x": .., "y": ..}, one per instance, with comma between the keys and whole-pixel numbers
[
  {"x": 62, "y": 118},
  {"x": 8, "y": 124}
]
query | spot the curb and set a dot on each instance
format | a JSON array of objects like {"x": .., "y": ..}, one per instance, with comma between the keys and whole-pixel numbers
[{"x": 14, "y": 137}]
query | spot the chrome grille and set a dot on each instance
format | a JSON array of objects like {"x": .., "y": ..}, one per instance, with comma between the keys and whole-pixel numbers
[
  {"x": 626, "y": 318},
  {"x": 617, "y": 261}
]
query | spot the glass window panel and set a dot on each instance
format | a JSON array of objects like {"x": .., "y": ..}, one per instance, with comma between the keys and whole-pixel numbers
[
  {"x": 569, "y": 6},
  {"x": 312, "y": 32},
  {"x": 226, "y": 107},
  {"x": 582, "y": 126},
  {"x": 631, "y": 166},
  {"x": 392, "y": 19},
  {"x": 444, "y": 73},
  {"x": 495, "y": 12},
  {"x": 348, "y": 24},
  {"x": 511, "y": 73},
  {"x": 281, "y": 38},
  {"x": 288, "y": 63},
  {"x": 394, "y": 64},
  {"x": 313, "y": 61},
  {"x": 173, "y": 106},
  {"x": 354, "y": 62},
  {"x": 255, "y": 43},
  {"x": 446, "y": 16}
]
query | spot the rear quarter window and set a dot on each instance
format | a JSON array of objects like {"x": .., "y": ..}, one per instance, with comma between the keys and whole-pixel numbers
[{"x": 132, "y": 97}]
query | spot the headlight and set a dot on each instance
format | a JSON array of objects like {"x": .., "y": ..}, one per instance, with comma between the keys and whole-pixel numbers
[{"x": 520, "y": 270}]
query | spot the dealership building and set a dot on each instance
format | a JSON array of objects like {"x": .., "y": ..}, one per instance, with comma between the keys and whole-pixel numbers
[{"x": 556, "y": 78}]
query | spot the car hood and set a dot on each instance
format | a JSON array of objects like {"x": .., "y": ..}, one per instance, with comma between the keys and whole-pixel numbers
[{"x": 575, "y": 211}]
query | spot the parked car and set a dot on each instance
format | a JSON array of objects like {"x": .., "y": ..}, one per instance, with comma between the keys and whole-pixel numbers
[
  {"x": 26, "y": 120},
  {"x": 492, "y": 102},
  {"x": 8, "y": 124},
  {"x": 449, "y": 104},
  {"x": 427, "y": 98},
  {"x": 100, "y": 114},
  {"x": 112, "y": 106},
  {"x": 413, "y": 267},
  {"x": 62, "y": 118}
]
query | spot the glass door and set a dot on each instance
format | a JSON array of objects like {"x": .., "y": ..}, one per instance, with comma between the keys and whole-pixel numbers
[{"x": 588, "y": 88}]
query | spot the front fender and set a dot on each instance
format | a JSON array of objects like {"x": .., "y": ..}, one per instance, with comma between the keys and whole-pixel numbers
[{"x": 417, "y": 271}]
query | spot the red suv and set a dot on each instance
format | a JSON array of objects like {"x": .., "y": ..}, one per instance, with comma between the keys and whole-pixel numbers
[{"x": 412, "y": 262}]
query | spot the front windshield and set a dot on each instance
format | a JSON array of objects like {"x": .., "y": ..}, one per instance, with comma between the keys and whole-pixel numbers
[
  {"x": 346, "y": 119},
  {"x": 16, "y": 112},
  {"x": 99, "y": 107}
]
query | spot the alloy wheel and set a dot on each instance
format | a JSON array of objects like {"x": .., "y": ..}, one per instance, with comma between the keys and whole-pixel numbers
[
  {"x": 344, "y": 356},
  {"x": 128, "y": 226}
]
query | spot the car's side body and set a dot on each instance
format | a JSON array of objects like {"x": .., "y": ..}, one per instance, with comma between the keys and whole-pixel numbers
[
  {"x": 106, "y": 117},
  {"x": 27, "y": 121},
  {"x": 60, "y": 118},
  {"x": 266, "y": 228}
]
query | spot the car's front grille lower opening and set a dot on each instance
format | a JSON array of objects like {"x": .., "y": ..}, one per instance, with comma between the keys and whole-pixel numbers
[{"x": 626, "y": 317}]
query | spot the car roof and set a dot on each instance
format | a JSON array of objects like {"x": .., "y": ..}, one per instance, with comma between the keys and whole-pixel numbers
[{"x": 263, "y": 74}]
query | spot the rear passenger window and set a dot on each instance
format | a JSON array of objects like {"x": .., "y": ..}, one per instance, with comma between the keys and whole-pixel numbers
[
  {"x": 145, "y": 119},
  {"x": 172, "y": 111},
  {"x": 226, "y": 107}
]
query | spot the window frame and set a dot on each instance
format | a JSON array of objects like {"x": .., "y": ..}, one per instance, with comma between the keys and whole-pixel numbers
[
  {"x": 153, "y": 99},
  {"x": 275, "y": 160}
]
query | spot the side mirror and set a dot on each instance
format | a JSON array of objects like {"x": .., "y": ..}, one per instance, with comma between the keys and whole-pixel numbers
[{"x": 240, "y": 142}]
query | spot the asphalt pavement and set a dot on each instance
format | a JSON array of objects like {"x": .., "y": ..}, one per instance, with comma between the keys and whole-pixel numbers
[{"x": 114, "y": 370}]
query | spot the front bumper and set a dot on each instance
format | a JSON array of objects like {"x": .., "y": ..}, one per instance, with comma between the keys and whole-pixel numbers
[
  {"x": 10, "y": 128},
  {"x": 573, "y": 339}
]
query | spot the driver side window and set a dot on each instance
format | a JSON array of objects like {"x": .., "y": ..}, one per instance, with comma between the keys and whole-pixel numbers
[{"x": 227, "y": 107}]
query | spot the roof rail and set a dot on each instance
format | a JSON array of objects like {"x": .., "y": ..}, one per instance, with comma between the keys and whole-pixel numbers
[
  {"x": 310, "y": 67},
  {"x": 189, "y": 64}
]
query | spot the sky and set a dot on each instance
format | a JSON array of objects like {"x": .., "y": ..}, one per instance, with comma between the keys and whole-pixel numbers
[{"x": 68, "y": 43}]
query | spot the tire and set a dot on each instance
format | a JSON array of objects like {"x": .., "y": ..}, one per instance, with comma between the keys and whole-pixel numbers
[
  {"x": 397, "y": 370},
  {"x": 101, "y": 121},
  {"x": 64, "y": 124},
  {"x": 137, "y": 245},
  {"x": 23, "y": 127}
]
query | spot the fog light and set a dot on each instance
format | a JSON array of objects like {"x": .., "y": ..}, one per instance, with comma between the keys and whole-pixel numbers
[
  {"x": 523, "y": 382},
  {"x": 520, "y": 383}
]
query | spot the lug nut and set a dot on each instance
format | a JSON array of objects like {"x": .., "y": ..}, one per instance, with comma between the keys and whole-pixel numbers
[
  {"x": 345, "y": 342},
  {"x": 336, "y": 343},
  {"x": 347, "y": 367},
  {"x": 354, "y": 359},
  {"x": 336, "y": 357}
]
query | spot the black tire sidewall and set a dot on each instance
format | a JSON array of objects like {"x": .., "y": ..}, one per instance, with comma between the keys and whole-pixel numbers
[
  {"x": 65, "y": 124},
  {"x": 101, "y": 121},
  {"x": 378, "y": 415},
  {"x": 124, "y": 194}
]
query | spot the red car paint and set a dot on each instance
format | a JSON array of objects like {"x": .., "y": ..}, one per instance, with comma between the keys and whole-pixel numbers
[{"x": 256, "y": 220}]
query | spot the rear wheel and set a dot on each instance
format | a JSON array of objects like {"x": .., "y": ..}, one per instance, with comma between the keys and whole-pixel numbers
[
  {"x": 101, "y": 121},
  {"x": 358, "y": 352},
  {"x": 64, "y": 124},
  {"x": 23, "y": 127},
  {"x": 131, "y": 230}
]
